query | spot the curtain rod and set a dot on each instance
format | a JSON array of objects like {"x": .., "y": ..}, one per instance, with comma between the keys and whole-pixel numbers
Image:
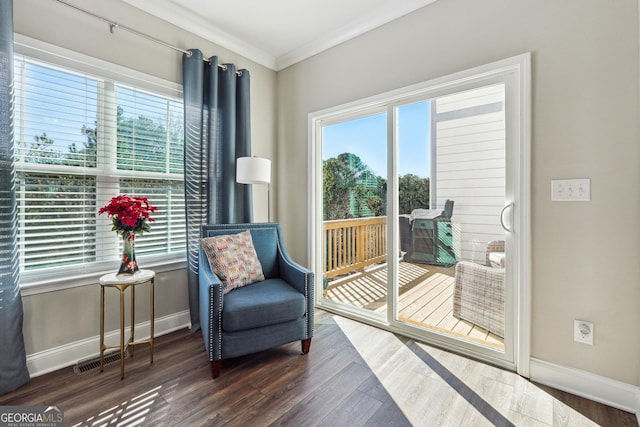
[{"x": 113, "y": 25}]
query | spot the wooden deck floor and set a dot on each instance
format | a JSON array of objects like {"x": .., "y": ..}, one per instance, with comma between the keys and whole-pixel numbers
[{"x": 426, "y": 298}]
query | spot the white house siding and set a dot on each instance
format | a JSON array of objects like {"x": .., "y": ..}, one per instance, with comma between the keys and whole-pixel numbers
[{"x": 468, "y": 134}]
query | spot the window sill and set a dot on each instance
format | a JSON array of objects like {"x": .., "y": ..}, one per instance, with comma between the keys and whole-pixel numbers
[{"x": 89, "y": 279}]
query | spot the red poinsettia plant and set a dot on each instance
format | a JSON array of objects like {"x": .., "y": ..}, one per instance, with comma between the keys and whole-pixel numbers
[{"x": 130, "y": 215}]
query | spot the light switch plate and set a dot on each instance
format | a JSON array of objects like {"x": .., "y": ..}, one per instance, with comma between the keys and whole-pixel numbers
[{"x": 571, "y": 190}]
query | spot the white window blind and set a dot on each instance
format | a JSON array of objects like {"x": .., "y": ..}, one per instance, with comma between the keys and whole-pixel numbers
[{"x": 79, "y": 140}]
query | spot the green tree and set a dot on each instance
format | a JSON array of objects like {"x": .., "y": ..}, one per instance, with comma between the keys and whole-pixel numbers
[
  {"x": 142, "y": 143},
  {"x": 337, "y": 180},
  {"x": 377, "y": 201},
  {"x": 42, "y": 150},
  {"x": 413, "y": 193},
  {"x": 347, "y": 184},
  {"x": 137, "y": 138},
  {"x": 350, "y": 189},
  {"x": 90, "y": 150}
]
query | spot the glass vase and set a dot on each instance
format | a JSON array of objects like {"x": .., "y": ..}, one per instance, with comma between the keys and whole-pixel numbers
[{"x": 128, "y": 265}]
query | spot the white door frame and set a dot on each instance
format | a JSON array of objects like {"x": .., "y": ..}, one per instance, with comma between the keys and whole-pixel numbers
[{"x": 518, "y": 100}]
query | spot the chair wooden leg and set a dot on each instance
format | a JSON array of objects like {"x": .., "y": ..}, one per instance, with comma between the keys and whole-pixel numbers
[
  {"x": 215, "y": 368},
  {"x": 306, "y": 344}
]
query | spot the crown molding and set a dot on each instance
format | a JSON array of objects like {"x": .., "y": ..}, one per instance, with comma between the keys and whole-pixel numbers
[
  {"x": 196, "y": 24},
  {"x": 366, "y": 23}
]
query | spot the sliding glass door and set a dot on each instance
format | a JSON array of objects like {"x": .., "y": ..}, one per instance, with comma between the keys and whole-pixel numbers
[
  {"x": 418, "y": 197},
  {"x": 450, "y": 193},
  {"x": 354, "y": 164}
]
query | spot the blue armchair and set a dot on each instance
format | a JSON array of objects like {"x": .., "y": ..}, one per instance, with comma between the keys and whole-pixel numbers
[{"x": 265, "y": 314}]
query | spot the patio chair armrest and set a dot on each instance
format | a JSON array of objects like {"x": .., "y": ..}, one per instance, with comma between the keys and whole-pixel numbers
[{"x": 493, "y": 246}]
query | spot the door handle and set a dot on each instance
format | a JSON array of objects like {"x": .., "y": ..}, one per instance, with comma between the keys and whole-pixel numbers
[{"x": 505, "y": 228}]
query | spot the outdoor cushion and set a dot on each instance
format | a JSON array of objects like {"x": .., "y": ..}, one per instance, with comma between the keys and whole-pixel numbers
[{"x": 496, "y": 259}]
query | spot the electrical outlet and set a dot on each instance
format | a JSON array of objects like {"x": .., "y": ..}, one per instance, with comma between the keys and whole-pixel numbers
[
  {"x": 583, "y": 331},
  {"x": 571, "y": 190}
]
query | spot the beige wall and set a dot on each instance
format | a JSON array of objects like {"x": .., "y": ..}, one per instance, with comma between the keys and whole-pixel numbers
[
  {"x": 64, "y": 317},
  {"x": 585, "y": 125}
]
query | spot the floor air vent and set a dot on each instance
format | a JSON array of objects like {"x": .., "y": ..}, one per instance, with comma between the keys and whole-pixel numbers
[{"x": 87, "y": 365}]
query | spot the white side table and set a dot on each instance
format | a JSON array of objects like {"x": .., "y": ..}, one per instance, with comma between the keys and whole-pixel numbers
[{"x": 122, "y": 282}]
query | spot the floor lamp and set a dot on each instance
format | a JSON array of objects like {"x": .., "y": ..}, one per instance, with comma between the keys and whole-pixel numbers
[{"x": 255, "y": 170}]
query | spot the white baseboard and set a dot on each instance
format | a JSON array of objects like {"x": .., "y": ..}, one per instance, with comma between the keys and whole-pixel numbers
[
  {"x": 585, "y": 384},
  {"x": 65, "y": 355}
]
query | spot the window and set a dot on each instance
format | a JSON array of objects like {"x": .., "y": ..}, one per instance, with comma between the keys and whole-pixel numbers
[{"x": 81, "y": 139}]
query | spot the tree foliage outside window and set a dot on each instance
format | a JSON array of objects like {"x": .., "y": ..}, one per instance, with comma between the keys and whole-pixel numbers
[
  {"x": 343, "y": 192},
  {"x": 413, "y": 193},
  {"x": 352, "y": 190}
]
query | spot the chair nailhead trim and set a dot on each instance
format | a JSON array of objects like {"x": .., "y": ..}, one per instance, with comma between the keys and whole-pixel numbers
[{"x": 211, "y": 350}]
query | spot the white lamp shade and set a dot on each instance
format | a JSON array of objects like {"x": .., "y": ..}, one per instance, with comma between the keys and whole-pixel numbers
[{"x": 253, "y": 170}]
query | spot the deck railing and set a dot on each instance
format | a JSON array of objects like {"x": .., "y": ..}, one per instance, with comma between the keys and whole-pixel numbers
[{"x": 353, "y": 244}]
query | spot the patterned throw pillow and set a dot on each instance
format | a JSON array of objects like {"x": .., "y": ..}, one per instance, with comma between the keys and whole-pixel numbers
[{"x": 233, "y": 259}]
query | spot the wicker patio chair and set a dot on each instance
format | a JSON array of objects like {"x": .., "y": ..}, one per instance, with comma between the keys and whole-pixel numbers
[{"x": 478, "y": 295}]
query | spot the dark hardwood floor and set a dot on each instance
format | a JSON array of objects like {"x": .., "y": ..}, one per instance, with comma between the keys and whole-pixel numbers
[{"x": 354, "y": 375}]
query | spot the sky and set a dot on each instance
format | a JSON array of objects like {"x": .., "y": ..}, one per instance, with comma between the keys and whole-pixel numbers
[{"x": 367, "y": 138}]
